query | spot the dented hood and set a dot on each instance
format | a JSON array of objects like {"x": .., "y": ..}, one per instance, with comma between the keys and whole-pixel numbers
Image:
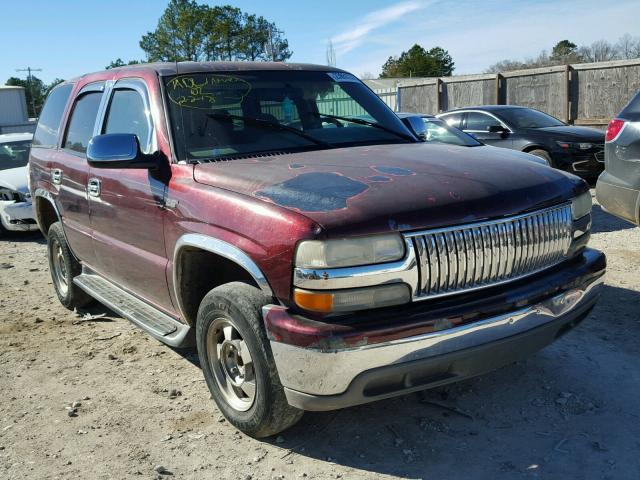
[
  {"x": 14, "y": 179},
  {"x": 382, "y": 188}
]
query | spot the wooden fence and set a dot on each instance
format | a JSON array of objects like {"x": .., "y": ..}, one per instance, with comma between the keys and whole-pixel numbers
[{"x": 581, "y": 94}]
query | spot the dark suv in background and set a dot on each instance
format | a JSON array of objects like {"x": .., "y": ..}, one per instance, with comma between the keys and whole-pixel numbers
[
  {"x": 618, "y": 188},
  {"x": 579, "y": 150}
]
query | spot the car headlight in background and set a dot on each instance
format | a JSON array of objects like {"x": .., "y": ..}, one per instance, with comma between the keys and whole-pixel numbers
[
  {"x": 576, "y": 145},
  {"x": 581, "y": 205},
  {"x": 349, "y": 252}
]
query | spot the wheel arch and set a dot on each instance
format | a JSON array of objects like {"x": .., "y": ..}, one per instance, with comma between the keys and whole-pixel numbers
[
  {"x": 45, "y": 209},
  {"x": 195, "y": 257},
  {"x": 535, "y": 146}
]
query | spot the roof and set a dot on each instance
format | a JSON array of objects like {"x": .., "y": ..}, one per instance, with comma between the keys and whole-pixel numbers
[
  {"x": 488, "y": 108},
  {"x": 174, "y": 68},
  {"x": 11, "y": 87},
  {"x": 15, "y": 137},
  {"x": 411, "y": 114}
]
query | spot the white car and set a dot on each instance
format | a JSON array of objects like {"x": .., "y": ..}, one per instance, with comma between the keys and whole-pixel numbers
[{"x": 16, "y": 210}]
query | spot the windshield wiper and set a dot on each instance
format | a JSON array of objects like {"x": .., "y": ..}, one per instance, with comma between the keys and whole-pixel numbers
[
  {"x": 271, "y": 125},
  {"x": 361, "y": 121}
]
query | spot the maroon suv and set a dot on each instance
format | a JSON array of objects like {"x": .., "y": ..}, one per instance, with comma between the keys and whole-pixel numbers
[{"x": 284, "y": 220}]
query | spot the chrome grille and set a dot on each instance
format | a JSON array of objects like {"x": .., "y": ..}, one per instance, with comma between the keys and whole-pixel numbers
[{"x": 467, "y": 257}]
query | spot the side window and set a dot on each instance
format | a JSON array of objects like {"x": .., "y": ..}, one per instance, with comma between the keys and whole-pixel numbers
[
  {"x": 480, "y": 122},
  {"x": 46, "y": 134},
  {"x": 453, "y": 119},
  {"x": 82, "y": 122},
  {"x": 128, "y": 114}
]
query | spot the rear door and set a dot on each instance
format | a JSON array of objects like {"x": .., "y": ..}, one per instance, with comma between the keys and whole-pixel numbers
[
  {"x": 127, "y": 205},
  {"x": 478, "y": 125},
  {"x": 70, "y": 170}
]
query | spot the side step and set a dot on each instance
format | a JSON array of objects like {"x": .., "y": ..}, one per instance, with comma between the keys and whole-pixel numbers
[{"x": 155, "y": 322}]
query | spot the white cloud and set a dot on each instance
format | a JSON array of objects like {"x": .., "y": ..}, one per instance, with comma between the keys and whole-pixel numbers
[{"x": 350, "y": 39}]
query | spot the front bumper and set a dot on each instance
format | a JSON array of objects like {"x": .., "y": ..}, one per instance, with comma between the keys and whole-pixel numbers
[
  {"x": 334, "y": 372},
  {"x": 589, "y": 163},
  {"x": 18, "y": 216}
]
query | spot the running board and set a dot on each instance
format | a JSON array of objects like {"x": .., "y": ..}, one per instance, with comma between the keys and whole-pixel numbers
[{"x": 150, "y": 319}]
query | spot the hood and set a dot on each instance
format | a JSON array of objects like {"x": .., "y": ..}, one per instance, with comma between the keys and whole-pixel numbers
[
  {"x": 522, "y": 156},
  {"x": 15, "y": 179},
  {"x": 577, "y": 133},
  {"x": 383, "y": 188}
]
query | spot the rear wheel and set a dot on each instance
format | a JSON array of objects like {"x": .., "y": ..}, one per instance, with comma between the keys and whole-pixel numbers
[
  {"x": 542, "y": 154},
  {"x": 64, "y": 268},
  {"x": 237, "y": 362}
]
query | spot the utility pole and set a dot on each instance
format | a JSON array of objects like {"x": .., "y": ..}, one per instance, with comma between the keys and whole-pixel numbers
[
  {"x": 271, "y": 46},
  {"x": 29, "y": 83},
  {"x": 331, "y": 54}
]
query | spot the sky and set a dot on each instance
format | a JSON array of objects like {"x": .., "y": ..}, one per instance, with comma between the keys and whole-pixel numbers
[{"x": 67, "y": 38}]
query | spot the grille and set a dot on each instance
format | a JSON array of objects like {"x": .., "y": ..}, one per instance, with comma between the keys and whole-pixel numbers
[{"x": 467, "y": 257}]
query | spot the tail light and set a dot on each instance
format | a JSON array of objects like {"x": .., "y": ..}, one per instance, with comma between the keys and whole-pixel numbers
[{"x": 614, "y": 129}]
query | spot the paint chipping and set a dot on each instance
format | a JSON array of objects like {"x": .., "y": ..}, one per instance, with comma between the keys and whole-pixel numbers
[
  {"x": 314, "y": 192},
  {"x": 378, "y": 178},
  {"x": 397, "y": 171}
]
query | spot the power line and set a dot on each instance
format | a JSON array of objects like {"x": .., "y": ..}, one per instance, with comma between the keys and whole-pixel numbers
[{"x": 29, "y": 70}]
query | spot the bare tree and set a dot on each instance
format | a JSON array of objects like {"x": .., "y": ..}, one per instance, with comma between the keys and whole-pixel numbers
[
  {"x": 598, "y": 51},
  {"x": 628, "y": 46},
  {"x": 367, "y": 76}
]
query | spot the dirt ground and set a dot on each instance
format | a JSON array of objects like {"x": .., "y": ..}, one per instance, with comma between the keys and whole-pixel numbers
[{"x": 569, "y": 412}]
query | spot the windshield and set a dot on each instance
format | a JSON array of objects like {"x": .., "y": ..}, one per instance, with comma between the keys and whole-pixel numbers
[
  {"x": 439, "y": 131},
  {"x": 14, "y": 154},
  {"x": 529, "y": 118},
  {"x": 244, "y": 113}
]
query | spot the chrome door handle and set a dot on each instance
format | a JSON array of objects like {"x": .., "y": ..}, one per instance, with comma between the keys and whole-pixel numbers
[
  {"x": 56, "y": 176},
  {"x": 93, "y": 187}
]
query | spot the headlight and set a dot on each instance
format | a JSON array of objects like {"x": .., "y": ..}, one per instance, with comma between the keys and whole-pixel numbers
[
  {"x": 352, "y": 299},
  {"x": 581, "y": 205},
  {"x": 349, "y": 252},
  {"x": 576, "y": 145}
]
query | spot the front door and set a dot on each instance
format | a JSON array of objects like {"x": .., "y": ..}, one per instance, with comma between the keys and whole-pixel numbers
[
  {"x": 479, "y": 124},
  {"x": 126, "y": 205}
]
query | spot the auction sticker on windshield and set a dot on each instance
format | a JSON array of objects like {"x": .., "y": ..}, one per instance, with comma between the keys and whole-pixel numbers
[
  {"x": 207, "y": 91},
  {"x": 342, "y": 77}
]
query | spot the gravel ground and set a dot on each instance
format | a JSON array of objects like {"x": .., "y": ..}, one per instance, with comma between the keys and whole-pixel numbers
[{"x": 97, "y": 398}]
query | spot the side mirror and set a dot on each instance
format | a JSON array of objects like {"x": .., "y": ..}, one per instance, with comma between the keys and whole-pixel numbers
[
  {"x": 416, "y": 125},
  {"x": 496, "y": 129},
  {"x": 118, "y": 150}
]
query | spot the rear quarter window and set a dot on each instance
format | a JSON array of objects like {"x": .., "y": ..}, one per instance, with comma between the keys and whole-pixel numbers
[{"x": 46, "y": 134}]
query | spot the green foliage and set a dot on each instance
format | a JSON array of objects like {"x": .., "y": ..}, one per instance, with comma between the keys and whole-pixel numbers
[
  {"x": 35, "y": 91},
  {"x": 118, "y": 62},
  {"x": 188, "y": 31},
  {"x": 565, "y": 52},
  {"x": 418, "y": 62}
]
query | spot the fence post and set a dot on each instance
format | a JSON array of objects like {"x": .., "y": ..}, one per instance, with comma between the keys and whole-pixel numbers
[
  {"x": 499, "y": 78},
  {"x": 398, "y": 104},
  {"x": 439, "y": 106},
  {"x": 568, "y": 78}
]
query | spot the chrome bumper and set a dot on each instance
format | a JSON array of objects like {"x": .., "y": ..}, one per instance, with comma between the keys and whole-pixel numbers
[{"x": 311, "y": 372}]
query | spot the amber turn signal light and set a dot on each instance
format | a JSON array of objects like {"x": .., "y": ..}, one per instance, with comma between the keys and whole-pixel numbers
[{"x": 313, "y": 301}]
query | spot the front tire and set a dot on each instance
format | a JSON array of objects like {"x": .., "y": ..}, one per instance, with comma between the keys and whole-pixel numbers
[
  {"x": 237, "y": 361},
  {"x": 543, "y": 154},
  {"x": 64, "y": 268}
]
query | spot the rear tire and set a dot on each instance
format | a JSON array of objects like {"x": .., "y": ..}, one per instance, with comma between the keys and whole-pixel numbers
[
  {"x": 543, "y": 154},
  {"x": 237, "y": 361},
  {"x": 64, "y": 268}
]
